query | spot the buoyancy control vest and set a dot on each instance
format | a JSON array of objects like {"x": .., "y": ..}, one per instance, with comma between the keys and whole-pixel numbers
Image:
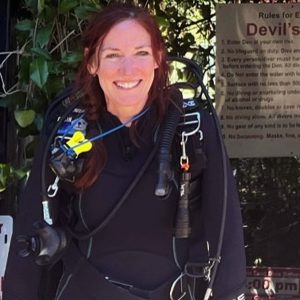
[{"x": 188, "y": 132}]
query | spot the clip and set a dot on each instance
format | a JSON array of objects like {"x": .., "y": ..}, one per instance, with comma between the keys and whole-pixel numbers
[
  {"x": 184, "y": 160},
  {"x": 78, "y": 144},
  {"x": 53, "y": 188}
]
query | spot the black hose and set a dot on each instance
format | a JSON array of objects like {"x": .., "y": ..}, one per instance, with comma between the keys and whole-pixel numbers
[{"x": 168, "y": 131}]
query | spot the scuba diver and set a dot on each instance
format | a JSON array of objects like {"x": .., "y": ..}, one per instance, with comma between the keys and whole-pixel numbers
[{"x": 131, "y": 195}]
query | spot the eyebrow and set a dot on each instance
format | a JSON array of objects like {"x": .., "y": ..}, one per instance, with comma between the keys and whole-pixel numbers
[{"x": 117, "y": 49}]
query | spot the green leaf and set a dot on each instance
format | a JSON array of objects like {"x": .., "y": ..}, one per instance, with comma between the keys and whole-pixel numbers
[
  {"x": 73, "y": 57},
  {"x": 41, "y": 52},
  {"x": 66, "y": 5},
  {"x": 24, "y": 117},
  {"x": 2, "y": 186},
  {"x": 4, "y": 175},
  {"x": 39, "y": 71},
  {"x": 40, "y": 6},
  {"x": 25, "y": 25},
  {"x": 19, "y": 173},
  {"x": 163, "y": 22},
  {"x": 7, "y": 172},
  {"x": 43, "y": 36}
]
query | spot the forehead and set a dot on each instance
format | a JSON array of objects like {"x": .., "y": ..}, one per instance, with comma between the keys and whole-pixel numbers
[{"x": 127, "y": 33}]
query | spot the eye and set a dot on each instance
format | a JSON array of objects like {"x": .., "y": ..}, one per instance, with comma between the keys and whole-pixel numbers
[
  {"x": 143, "y": 53},
  {"x": 112, "y": 55}
]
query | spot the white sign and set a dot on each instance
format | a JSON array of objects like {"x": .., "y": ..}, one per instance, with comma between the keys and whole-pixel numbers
[
  {"x": 6, "y": 229},
  {"x": 258, "y": 78}
]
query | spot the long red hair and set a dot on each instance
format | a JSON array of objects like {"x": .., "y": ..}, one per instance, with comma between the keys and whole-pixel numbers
[{"x": 93, "y": 96}]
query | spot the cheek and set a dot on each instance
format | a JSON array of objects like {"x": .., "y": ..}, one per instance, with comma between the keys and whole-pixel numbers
[
  {"x": 148, "y": 68},
  {"x": 107, "y": 71}
]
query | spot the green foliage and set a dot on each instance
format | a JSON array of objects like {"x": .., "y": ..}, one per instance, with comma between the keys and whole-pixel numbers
[
  {"x": 24, "y": 117},
  {"x": 48, "y": 52},
  {"x": 25, "y": 25},
  {"x": 38, "y": 70},
  {"x": 48, "y": 55},
  {"x": 189, "y": 31},
  {"x": 48, "y": 37},
  {"x": 8, "y": 173}
]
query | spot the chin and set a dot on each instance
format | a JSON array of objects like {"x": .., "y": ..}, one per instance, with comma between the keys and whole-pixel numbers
[{"x": 131, "y": 102}]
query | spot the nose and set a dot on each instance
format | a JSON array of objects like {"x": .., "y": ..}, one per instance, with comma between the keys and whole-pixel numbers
[{"x": 127, "y": 66}]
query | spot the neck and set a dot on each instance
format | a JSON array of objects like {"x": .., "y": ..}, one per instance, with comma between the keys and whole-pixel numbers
[{"x": 124, "y": 114}]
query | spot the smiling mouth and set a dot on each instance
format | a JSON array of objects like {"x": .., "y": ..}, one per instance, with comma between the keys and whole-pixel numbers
[{"x": 127, "y": 85}]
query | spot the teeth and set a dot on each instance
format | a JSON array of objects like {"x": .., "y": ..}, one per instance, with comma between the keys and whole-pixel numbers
[{"x": 127, "y": 85}]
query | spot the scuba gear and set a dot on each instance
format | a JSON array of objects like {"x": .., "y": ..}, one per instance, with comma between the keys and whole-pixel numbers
[
  {"x": 64, "y": 156},
  {"x": 49, "y": 242},
  {"x": 189, "y": 268},
  {"x": 168, "y": 132},
  {"x": 182, "y": 228},
  {"x": 215, "y": 260}
]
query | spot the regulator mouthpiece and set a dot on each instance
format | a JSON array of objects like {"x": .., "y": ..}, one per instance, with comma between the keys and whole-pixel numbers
[{"x": 46, "y": 245}]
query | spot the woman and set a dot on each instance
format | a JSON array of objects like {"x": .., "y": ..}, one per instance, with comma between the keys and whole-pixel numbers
[{"x": 133, "y": 253}]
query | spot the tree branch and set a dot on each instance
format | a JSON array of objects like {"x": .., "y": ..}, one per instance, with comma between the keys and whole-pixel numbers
[{"x": 62, "y": 41}]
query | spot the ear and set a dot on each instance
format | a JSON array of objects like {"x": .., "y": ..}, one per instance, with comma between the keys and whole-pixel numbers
[{"x": 91, "y": 67}]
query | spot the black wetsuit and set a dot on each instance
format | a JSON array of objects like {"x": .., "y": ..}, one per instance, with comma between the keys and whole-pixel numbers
[{"x": 135, "y": 256}]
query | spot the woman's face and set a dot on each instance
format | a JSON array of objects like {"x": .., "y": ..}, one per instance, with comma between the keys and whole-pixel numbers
[{"x": 126, "y": 66}]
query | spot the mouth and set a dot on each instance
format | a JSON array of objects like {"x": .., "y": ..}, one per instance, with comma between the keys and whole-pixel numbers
[{"x": 127, "y": 85}]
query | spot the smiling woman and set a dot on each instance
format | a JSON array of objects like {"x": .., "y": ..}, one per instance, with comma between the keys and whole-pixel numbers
[
  {"x": 115, "y": 232},
  {"x": 126, "y": 69}
]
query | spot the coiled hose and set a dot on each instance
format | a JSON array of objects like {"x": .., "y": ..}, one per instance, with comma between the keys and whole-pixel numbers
[{"x": 168, "y": 132}]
